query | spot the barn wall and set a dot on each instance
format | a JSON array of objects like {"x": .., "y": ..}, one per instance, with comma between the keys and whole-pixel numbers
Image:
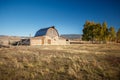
[
  {"x": 57, "y": 41},
  {"x": 63, "y": 42},
  {"x": 35, "y": 42},
  {"x": 54, "y": 41},
  {"x": 52, "y": 33},
  {"x": 48, "y": 41}
]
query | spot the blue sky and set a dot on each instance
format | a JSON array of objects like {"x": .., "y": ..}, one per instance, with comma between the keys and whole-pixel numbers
[{"x": 24, "y": 17}]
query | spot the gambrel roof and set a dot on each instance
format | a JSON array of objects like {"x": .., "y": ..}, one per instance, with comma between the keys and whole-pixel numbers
[{"x": 43, "y": 31}]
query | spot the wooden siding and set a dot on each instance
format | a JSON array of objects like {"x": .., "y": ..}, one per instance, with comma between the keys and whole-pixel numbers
[
  {"x": 36, "y": 40},
  {"x": 52, "y": 33}
]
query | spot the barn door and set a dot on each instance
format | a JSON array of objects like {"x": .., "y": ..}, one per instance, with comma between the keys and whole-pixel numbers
[
  {"x": 42, "y": 40},
  {"x": 49, "y": 41}
]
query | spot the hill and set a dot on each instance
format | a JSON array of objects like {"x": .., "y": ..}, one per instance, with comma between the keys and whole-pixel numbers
[{"x": 72, "y": 36}]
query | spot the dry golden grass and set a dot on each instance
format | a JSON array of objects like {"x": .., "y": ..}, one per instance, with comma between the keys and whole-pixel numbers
[{"x": 70, "y": 62}]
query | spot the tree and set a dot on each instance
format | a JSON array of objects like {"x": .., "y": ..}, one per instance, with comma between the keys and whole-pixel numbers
[
  {"x": 112, "y": 34},
  {"x": 87, "y": 31},
  {"x": 105, "y": 32},
  {"x": 91, "y": 31},
  {"x": 118, "y": 35},
  {"x": 98, "y": 31}
]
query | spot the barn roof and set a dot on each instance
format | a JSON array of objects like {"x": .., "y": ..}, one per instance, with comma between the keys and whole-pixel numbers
[{"x": 42, "y": 31}]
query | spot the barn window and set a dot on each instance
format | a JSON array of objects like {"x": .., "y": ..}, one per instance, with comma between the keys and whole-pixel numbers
[{"x": 67, "y": 39}]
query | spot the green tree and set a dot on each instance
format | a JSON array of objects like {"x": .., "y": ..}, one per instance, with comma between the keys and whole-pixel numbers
[
  {"x": 112, "y": 34},
  {"x": 91, "y": 31},
  {"x": 97, "y": 32},
  {"x": 105, "y": 32},
  {"x": 118, "y": 35},
  {"x": 87, "y": 31}
]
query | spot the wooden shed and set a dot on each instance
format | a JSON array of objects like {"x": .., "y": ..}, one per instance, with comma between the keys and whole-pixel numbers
[{"x": 47, "y": 36}]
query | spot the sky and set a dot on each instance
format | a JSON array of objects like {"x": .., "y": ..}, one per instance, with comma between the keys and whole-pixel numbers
[{"x": 25, "y": 17}]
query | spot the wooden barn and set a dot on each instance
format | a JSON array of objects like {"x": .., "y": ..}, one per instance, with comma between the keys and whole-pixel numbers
[{"x": 48, "y": 36}]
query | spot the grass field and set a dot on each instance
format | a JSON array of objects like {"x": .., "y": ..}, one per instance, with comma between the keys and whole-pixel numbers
[{"x": 70, "y": 62}]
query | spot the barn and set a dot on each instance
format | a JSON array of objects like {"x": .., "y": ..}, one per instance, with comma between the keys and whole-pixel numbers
[{"x": 48, "y": 36}]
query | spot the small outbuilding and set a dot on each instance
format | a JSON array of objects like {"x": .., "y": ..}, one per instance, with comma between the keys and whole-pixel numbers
[{"x": 48, "y": 36}]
